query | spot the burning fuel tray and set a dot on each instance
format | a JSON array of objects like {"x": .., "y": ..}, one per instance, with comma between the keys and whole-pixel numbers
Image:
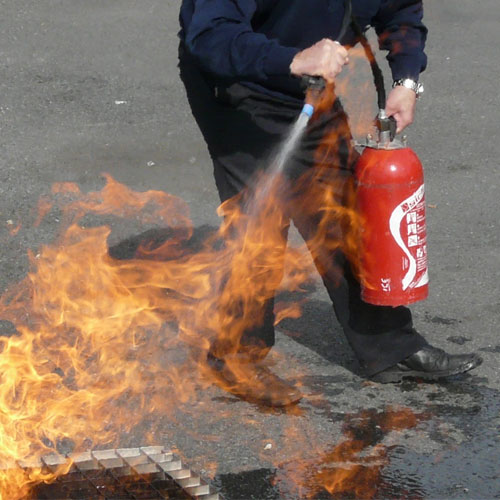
[{"x": 145, "y": 473}]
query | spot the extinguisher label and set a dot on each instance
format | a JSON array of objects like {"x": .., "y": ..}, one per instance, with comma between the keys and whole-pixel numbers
[{"x": 407, "y": 225}]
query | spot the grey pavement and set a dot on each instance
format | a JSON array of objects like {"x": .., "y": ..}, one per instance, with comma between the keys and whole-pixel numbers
[{"x": 91, "y": 87}]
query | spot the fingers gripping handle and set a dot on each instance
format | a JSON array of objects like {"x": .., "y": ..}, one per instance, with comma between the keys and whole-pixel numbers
[{"x": 315, "y": 85}]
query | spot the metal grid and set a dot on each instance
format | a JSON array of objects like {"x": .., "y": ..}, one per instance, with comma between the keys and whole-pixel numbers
[{"x": 145, "y": 473}]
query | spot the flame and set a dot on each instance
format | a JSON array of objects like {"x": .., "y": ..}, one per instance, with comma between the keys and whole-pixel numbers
[
  {"x": 82, "y": 336},
  {"x": 87, "y": 323},
  {"x": 90, "y": 327}
]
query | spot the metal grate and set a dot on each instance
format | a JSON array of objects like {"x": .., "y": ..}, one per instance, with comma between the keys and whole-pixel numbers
[{"x": 145, "y": 473}]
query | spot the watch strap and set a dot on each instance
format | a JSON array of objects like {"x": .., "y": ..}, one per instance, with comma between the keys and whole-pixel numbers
[{"x": 417, "y": 87}]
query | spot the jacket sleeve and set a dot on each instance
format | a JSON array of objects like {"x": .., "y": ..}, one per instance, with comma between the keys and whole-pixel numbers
[
  {"x": 401, "y": 31},
  {"x": 220, "y": 37}
]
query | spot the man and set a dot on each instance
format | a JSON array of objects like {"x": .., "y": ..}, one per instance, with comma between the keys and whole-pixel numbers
[{"x": 241, "y": 63}]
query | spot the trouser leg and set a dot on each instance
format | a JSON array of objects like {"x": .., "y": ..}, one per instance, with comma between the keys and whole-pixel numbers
[{"x": 239, "y": 147}]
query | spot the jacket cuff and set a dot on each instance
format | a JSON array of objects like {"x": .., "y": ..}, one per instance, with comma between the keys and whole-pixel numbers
[
  {"x": 278, "y": 60},
  {"x": 407, "y": 67}
]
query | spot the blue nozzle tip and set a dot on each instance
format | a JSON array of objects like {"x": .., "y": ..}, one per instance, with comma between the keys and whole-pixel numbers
[{"x": 308, "y": 109}]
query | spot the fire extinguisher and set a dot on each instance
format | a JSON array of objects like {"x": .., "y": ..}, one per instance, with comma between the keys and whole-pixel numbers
[{"x": 391, "y": 205}]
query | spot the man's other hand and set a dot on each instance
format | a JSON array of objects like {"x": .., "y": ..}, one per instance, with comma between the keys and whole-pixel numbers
[
  {"x": 401, "y": 104},
  {"x": 325, "y": 58}
]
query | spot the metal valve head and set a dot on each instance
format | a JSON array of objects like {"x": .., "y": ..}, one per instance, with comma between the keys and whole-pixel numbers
[{"x": 386, "y": 126}]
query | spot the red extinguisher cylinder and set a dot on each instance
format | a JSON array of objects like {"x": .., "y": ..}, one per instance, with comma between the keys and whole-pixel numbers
[{"x": 391, "y": 203}]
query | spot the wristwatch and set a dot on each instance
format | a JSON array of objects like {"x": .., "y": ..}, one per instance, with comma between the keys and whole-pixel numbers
[{"x": 418, "y": 88}]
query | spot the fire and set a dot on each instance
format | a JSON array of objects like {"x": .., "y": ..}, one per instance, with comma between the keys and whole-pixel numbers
[
  {"x": 90, "y": 326},
  {"x": 82, "y": 336},
  {"x": 87, "y": 324}
]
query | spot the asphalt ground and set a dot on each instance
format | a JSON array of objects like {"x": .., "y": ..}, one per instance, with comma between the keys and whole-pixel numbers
[{"x": 91, "y": 87}]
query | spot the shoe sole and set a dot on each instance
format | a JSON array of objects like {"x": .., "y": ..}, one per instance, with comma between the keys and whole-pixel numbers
[{"x": 394, "y": 377}]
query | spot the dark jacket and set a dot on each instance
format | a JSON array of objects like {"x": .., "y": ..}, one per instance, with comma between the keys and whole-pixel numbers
[{"x": 254, "y": 41}]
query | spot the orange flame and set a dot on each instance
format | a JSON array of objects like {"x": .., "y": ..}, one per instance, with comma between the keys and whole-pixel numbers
[
  {"x": 86, "y": 323},
  {"x": 90, "y": 327}
]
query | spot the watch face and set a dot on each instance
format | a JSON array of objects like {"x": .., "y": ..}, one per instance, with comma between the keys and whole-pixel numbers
[{"x": 410, "y": 84}]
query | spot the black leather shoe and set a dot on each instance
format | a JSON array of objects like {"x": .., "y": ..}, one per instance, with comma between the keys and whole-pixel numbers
[
  {"x": 252, "y": 382},
  {"x": 430, "y": 363}
]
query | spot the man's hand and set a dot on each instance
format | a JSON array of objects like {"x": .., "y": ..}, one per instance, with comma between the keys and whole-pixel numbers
[
  {"x": 401, "y": 104},
  {"x": 325, "y": 58}
]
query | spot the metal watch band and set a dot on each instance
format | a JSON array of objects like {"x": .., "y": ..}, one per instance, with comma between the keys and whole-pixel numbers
[{"x": 417, "y": 87}]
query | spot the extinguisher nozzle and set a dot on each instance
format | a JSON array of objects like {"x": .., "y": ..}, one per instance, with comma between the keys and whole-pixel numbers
[{"x": 308, "y": 109}]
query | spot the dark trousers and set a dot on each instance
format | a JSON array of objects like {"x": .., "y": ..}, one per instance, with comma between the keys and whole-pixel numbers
[{"x": 242, "y": 129}]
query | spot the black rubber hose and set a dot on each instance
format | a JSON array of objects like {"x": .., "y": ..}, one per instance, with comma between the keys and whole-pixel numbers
[
  {"x": 378, "y": 76},
  {"x": 346, "y": 21}
]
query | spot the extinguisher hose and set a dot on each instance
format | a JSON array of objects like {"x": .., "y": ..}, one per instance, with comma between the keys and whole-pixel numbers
[
  {"x": 346, "y": 20},
  {"x": 378, "y": 76}
]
